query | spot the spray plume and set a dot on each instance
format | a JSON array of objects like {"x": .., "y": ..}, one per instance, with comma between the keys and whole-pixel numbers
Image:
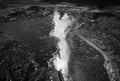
[{"x": 61, "y": 59}]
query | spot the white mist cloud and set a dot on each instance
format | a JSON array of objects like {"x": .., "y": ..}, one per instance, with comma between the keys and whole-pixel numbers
[{"x": 61, "y": 63}]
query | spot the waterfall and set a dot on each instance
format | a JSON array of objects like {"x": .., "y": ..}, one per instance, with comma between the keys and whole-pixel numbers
[{"x": 60, "y": 32}]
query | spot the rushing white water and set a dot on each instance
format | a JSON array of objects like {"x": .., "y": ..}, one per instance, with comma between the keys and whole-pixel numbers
[{"x": 60, "y": 32}]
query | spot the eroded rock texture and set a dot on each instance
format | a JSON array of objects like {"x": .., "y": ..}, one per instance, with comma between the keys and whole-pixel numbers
[{"x": 95, "y": 49}]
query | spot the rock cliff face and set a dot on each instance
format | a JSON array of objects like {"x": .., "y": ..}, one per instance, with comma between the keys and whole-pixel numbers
[
  {"x": 26, "y": 47},
  {"x": 95, "y": 49}
]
